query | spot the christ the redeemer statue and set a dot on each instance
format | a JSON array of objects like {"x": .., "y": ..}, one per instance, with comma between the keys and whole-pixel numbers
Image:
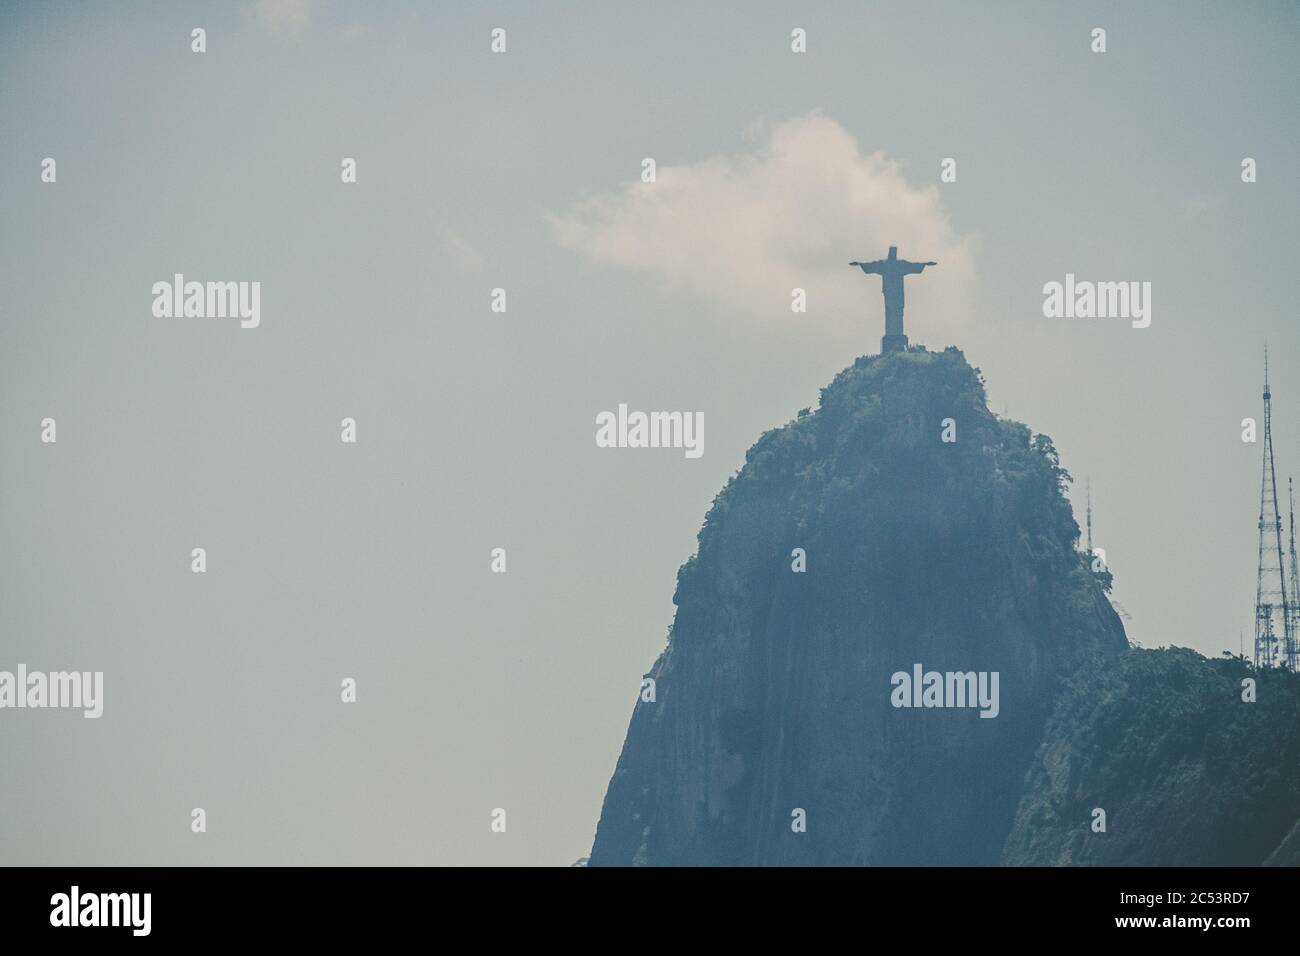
[{"x": 891, "y": 272}]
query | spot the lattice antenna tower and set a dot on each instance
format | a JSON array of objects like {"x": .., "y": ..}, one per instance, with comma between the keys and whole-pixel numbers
[
  {"x": 1293, "y": 593},
  {"x": 1274, "y": 642}
]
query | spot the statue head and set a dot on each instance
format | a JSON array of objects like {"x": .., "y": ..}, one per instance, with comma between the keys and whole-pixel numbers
[{"x": 893, "y": 253}]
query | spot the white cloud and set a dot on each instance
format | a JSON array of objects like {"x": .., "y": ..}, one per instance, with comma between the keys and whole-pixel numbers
[
  {"x": 283, "y": 17},
  {"x": 743, "y": 230},
  {"x": 463, "y": 255}
]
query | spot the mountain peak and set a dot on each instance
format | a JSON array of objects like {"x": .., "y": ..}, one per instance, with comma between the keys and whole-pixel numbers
[{"x": 900, "y": 525}]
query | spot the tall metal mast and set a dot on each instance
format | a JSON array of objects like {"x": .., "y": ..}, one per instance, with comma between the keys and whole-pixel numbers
[
  {"x": 1271, "y": 606},
  {"x": 1293, "y": 595}
]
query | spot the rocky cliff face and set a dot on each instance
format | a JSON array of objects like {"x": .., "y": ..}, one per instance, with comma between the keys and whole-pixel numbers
[{"x": 774, "y": 693}]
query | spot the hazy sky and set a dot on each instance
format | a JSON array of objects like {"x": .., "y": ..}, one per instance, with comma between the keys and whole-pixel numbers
[{"x": 522, "y": 171}]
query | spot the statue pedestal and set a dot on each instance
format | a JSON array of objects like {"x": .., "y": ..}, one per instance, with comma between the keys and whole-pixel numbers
[{"x": 893, "y": 343}]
